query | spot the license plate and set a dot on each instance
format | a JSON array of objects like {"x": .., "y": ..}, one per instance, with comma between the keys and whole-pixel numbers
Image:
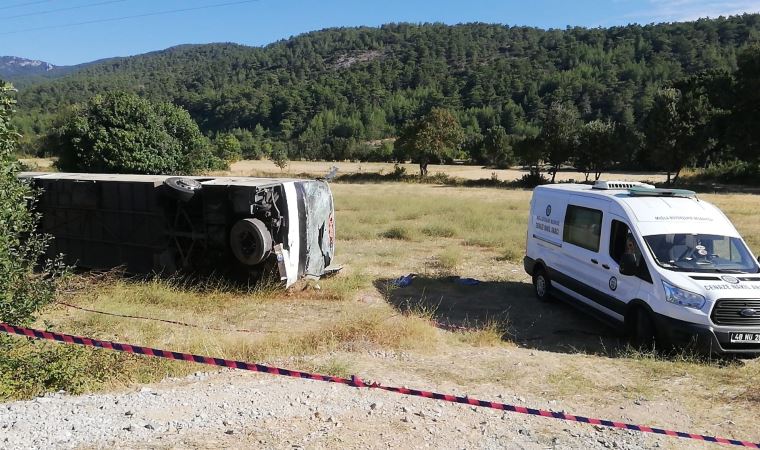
[{"x": 748, "y": 338}]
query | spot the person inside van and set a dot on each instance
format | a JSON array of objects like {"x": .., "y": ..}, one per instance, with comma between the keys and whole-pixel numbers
[
  {"x": 623, "y": 242},
  {"x": 631, "y": 248}
]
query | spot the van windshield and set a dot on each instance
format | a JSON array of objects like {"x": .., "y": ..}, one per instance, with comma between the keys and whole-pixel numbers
[{"x": 701, "y": 253}]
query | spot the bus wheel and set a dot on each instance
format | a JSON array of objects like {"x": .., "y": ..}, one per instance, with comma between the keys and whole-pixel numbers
[
  {"x": 250, "y": 241},
  {"x": 181, "y": 188}
]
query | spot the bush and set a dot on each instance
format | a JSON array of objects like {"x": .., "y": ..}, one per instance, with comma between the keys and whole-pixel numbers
[
  {"x": 732, "y": 172},
  {"x": 438, "y": 231},
  {"x": 531, "y": 180},
  {"x": 377, "y": 153},
  {"x": 30, "y": 368},
  {"x": 399, "y": 171},
  {"x": 228, "y": 147},
  {"x": 401, "y": 233},
  {"x": 123, "y": 133},
  {"x": 23, "y": 290},
  {"x": 279, "y": 155}
]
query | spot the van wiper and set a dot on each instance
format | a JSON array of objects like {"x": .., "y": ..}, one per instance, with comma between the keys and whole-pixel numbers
[{"x": 729, "y": 270}]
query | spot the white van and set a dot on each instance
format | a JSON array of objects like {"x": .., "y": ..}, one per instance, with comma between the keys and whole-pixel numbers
[{"x": 662, "y": 263}]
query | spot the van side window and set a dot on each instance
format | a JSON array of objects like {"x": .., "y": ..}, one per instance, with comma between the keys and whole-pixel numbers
[
  {"x": 621, "y": 242},
  {"x": 583, "y": 227}
]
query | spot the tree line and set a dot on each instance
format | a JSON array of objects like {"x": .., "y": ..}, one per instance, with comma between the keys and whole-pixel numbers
[{"x": 633, "y": 97}]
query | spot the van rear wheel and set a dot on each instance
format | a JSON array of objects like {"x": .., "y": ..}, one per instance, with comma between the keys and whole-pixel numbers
[{"x": 541, "y": 285}]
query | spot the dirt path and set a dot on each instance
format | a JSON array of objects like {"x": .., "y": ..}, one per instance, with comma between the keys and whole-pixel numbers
[
  {"x": 232, "y": 409},
  {"x": 240, "y": 409}
]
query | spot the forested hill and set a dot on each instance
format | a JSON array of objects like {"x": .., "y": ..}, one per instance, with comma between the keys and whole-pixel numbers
[{"x": 322, "y": 92}]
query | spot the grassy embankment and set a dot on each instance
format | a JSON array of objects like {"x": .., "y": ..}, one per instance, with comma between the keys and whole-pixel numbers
[
  {"x": 438, "y": 233},
  {"x": 332, "y": 326}
]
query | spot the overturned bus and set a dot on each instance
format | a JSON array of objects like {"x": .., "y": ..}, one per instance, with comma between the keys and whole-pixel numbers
[{"x": 152, "y": 223}]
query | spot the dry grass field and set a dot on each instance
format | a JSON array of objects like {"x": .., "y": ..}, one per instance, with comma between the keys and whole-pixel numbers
[
  {"x": 357, "y": 322},
  {"x": 320, "y": 168}
]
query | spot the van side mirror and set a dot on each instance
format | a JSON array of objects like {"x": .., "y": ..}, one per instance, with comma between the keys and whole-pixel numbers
[{"x": 628, "y": 264}]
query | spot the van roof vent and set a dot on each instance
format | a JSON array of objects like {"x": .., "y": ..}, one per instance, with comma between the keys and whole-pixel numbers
[
  {"x": 637, "y": 191},
  {"x": 623, "y": 185}
]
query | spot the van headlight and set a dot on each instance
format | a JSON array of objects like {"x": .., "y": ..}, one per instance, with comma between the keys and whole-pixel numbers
[{"x": 682, "y": 297}]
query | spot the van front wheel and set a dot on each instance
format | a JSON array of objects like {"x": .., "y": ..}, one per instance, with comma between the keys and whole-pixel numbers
[
  {"x": 541, "y": 285},
  {"x": 643, "y": 331}
]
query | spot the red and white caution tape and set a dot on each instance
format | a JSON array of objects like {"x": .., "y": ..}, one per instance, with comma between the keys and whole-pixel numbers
[{"x": 355, "y": 381}]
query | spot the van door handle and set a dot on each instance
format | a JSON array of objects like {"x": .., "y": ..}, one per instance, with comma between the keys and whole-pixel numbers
[
  {"x": 605, "y": 266},
  {"x": 594, "y": 261}
]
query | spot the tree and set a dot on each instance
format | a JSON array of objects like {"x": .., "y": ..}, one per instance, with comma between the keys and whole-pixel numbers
[
  {"x": 291, "y": 94},
  {"x": 745, "y": 118},
  {"x": 497, "y": 147},
  {"x": 596, "y": 147},
  {"x": 228, "y": 147},
  {"x": 23, "y": 290},
  {"x": 559, "y": 135},
  {"x": 676, "y": 129},
  {"x": 433, "y": 138},
  {"x": 279, "y": 155},
  {"x": 530, "y": 153},
  {"x": 662, "y": 129},
  {"x": 123, "y": 133}
]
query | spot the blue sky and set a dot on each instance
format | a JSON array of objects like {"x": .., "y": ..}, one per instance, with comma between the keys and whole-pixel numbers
[{"x": 67, "y": 32}]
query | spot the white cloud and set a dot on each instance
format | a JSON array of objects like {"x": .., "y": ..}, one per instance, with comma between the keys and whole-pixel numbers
[{"x": 684, "y": 10}]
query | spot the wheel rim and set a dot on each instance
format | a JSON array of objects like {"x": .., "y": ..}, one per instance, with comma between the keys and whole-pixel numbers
[
  {"x": 540, "y": 285},
  {"x": 188, "y": 184},
  {"x": 247, "y": 243}
]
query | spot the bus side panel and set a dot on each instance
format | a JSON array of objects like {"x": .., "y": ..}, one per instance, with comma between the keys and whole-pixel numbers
[{"x": 104, "y": 224}]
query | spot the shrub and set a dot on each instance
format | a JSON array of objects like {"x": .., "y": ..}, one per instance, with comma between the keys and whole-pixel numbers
[
  {"x": 23, "y": 290},
  {"x": 531, "y": 180},
  {"x": 731, "y": 172},
  {"x": 439, "y": 231},
  {"x": 228, "y": 147},
  {"x": 401, "y": 233},
  {"x": 450, "y": 258},
  {"x": 123, "y": 133},
  {"x": 399, "y": 171},
  {"x": 279, "y": 156}
]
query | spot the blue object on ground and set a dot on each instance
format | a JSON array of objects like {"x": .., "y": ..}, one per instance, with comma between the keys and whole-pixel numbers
[
  {"x": 404, "y": 281},
  {"x": 467, "y": 281}
]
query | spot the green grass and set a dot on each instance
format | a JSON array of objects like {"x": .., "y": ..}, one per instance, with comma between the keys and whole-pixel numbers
[
  {"x": 488, "y": 218},
  {"x": 398, "y": 232},
  {"x": 490, "y": 334},
  {"x": 438, "y": 230},
  {"x": 336, "y": 367},
  {"x": 450, "y": 258},
  {"x": 513, "y": 255}
]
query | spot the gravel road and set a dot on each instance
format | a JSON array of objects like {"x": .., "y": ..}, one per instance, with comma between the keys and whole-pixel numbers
[{"x": 234, "y": 409}]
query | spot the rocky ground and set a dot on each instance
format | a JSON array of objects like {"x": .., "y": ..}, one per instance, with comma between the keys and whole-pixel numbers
[{"x": 235, "y": 409}]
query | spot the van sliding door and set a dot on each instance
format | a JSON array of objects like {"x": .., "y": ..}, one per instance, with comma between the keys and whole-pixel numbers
[{"x": 580, "y": 272}]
